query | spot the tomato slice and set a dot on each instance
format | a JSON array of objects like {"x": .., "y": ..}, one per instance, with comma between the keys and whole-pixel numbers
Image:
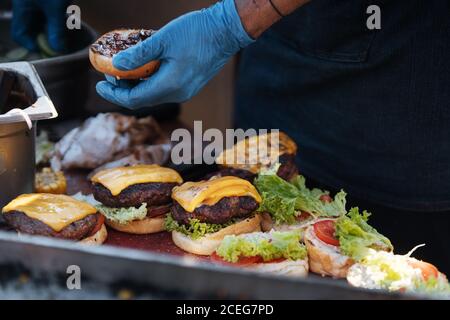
[
  {"x": 243, "y": 261},
  {"x": 98, "y": 225},
  {"x": 428, "y": 270},
  {"x": 326, "y": 198},
  {"x": 325, "y": 231}
]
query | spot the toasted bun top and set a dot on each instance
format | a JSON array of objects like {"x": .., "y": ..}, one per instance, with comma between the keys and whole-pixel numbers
[
  {"x": 118, "y": 40},
  {"x": 56, "y": 211},
  {"x": 118, "y": 179},
  {"x": 257, "y": 152},
  {"x": 192, "y": 195}
]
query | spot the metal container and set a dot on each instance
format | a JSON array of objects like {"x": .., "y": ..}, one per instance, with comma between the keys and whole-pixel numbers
[
  {"x": 17, "y": 140},
  {"x": 66, "y": 78}
]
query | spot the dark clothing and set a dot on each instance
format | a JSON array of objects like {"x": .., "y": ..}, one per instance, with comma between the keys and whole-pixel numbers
[{"x": 370, "y": 110}]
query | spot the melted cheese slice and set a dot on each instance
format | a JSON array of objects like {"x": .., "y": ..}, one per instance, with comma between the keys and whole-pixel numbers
[
  {"x": 56, "y": 211},
  {"x": 192, "y": 195},
  {"x": 257, "y": 152},
  {"x": 118, "y": 179}
]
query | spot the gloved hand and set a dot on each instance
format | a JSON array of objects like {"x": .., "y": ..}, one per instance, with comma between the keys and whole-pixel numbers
[
  {"x": 191, "y": 48},
  {"x": 27, "y": 23}
]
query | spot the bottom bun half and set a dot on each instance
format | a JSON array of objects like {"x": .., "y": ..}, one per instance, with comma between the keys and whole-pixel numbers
[
  {"x": 208, "y": 244},
  {"x": 290, "y": 268},
  {"x": 325, "y": 259},
  {"x": 97, "y": 238},
  {"x": 145, "y": 226}
]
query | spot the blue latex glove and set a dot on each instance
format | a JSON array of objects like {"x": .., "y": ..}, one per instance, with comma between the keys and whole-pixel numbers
[
  {"x": 191, "y": 48},
  {"x": 27, "y": 23}
]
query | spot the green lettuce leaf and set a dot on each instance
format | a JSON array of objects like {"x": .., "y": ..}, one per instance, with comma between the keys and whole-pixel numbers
[
  {"x": 269, "y": 246},
  {"x": 195, "y": 229},
  {"x": 433, "y": 286},
  {"x": 123, "y": 215},
  {"x": 285, "y": 200},
  {"x": 356, "y": 236}
]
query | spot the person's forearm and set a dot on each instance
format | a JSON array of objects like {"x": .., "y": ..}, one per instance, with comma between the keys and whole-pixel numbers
[{"x": 259, "y": 15}]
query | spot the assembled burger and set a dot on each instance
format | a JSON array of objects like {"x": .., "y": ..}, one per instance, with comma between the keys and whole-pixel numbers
[
  {"x": 135, "y": 199},
  {"x": 205, "y": 212},
  {"x": 56, "y": 216},
  {"x": 334, "y": 245},
  {"x": 250, "y": 156},
  {"x": 103, "y": 50},
  {"x": 274, "y": 252}
]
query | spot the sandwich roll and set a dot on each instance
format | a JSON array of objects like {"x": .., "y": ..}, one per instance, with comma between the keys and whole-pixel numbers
[
  {"x": 204, "y": 212},
  {"x": 97, "y": 238},
  {"x": 56, "y": 216},
  {"x": 144, "y": 226},
  {"x": 207, "y": 244},
  {"x": 274, "y": 252},
  {"x": 325, "y": 259},
  {"x": 103, "y": 50},
  {"x": 289, "y": 268},
  {"x": 135, "y": 199}
]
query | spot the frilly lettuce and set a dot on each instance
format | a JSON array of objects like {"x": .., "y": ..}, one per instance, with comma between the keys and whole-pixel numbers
[
  {"x": 356, "y": 236},
  {"x": 118, "y": 215},
  {"x": 269, "y": 246},
  {"x": 285, "y": 200},
  {"x": 195, "y": 229},
  {"x": 123, "y": 215}
]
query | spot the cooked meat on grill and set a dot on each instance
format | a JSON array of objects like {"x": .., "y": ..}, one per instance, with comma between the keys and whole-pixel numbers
[
  {"x": 75, "y": 231},
  {"x": 287, "y": 170},
  {"x": 154, "y": 194},
  {"x": 222, "y": 212}
]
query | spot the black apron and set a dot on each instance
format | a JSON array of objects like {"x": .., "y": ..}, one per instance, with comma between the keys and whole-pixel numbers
[{"x": 369, "y": 109}]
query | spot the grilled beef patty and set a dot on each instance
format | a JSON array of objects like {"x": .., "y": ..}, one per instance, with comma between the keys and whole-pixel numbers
[
  {"x": 287, "y": 170},
  {"x": 222, "y": 212},
  {"x": 77, "y": 230},
  {"x": 154, "y": 194}
]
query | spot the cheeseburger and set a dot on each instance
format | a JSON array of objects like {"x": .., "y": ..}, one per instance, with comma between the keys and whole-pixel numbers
[
  {"x": 56, "y": 216},
  {"x": 205, "y": 212},
  {"x": 103, "y": 50},
  {"x": 250, "y": 156},
  {"x": 135, "y": 199}
]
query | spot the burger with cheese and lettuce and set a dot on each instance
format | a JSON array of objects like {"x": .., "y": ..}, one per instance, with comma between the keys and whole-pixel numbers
[
  {"x": 252, "y": 155},
  {"x": 334, "y": 245},
  {"x": 205, "y": 212},
  {"x": 274, "y": 252},
  {"x": 135, "y": 199},
  {"x": 56, "y": 216}
]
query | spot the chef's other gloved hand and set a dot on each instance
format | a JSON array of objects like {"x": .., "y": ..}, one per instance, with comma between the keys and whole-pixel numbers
[
  {"x": 191, "y": 48},
  {"x": 34, "y": 17}
]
